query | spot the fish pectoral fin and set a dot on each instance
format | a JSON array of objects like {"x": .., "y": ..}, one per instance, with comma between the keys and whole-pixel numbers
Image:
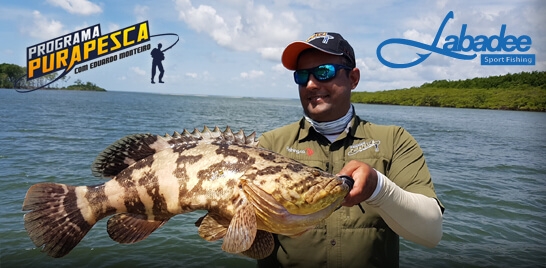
[
  {"x": 210, "y": 227},
  {"x": 128, "y": 228},
  {"x": 262, "y": 246},
  {"x": 242, "y": 229}
]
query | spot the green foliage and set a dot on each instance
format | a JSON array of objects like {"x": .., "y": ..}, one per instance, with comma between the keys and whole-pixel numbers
[
  {"x": 10, "y": 74},
  {"x": 523, "y": 91},
  {"x": 78, "y": 85}
]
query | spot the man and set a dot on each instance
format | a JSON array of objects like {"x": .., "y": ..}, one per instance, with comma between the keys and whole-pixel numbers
[
  {"x": 157, "y": 56},
  {"x": 393, "y": 192}
]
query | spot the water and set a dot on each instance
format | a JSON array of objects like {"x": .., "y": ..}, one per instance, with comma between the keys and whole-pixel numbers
[{"x": 488, "y": 168}]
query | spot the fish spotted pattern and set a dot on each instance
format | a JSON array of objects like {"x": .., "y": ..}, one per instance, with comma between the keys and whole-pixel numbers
[{"x": 248, "y": 193}]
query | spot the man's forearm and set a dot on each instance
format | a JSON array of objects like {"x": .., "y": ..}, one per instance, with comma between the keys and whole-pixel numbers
[{"x": 413, "y": 216}]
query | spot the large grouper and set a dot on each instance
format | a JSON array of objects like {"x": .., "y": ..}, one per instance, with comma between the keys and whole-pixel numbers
[{"x": 248, "y": 193}]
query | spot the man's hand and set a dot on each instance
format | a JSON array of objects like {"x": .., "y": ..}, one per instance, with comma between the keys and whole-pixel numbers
[{"x": 365, "y": 178}]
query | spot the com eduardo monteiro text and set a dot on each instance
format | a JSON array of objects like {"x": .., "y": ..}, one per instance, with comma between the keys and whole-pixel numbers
[{"x": 113, "y": 58}]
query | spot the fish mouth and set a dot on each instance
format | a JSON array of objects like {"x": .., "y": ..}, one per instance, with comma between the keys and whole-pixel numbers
[{"x": 278, "y": 219}]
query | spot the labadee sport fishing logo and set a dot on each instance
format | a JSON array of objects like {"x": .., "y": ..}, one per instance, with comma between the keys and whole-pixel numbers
[
  {"x": 72, "y": 50},
  {"x": 455, "y": 46}
]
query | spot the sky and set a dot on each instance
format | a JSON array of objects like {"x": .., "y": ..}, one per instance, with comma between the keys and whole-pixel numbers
[{"x": 233, "y": 47}]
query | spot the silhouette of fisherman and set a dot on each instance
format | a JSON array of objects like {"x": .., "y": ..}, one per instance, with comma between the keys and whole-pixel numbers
[{"x": 157, "y": 56}]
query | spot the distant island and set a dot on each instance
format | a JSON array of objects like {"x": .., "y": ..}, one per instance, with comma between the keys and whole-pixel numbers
[
  {"x": 525, "y": 91},
  {"x": 78, "y": 85},
  {"x": 11, "y": 73}
]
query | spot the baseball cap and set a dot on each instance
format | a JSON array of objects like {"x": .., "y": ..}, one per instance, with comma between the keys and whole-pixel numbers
[{"x": 331, "y": 43}]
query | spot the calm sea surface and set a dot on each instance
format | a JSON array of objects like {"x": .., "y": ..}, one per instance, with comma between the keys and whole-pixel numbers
[{"x": 488, "y": 168}]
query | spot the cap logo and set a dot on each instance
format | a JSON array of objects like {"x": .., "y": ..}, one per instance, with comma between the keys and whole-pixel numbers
[{"x": 325, "y": 37}]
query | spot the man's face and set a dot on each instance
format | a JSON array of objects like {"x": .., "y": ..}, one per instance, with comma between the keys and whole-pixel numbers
[{"x": 329, "y": 100}]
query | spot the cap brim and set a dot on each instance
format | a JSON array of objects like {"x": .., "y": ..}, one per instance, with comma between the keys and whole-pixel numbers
[{"x": 291, "y": 53}]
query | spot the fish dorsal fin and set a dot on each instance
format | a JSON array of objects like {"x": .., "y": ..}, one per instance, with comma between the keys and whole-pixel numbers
[
  {"x": 242, "y": 229},
  {"x": 125, "y": 152},
  {"x": 128, "y": 228},
  {"x": 210, "y": 227},
  {"x": 132, "y": 148},
  {"x": 263, "y": 245},
  {"x": 214, "y": 136}
]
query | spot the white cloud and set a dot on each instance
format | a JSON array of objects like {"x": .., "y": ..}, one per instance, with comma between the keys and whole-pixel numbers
[
  {"x": 243, "y": 27},
  {"x": 252, "y": 74},
  {"x": 415, "y": 35},
  {"x": 203, "y": 76},
  {"x": 279, "y": 68},
  {"x": 141, "y": 12},
  {"x": 138, "y": 71},
  {"x": 271, "y": 53},
  {"x": 82, "y": 7},
  {"x": 42, "y": 27},
  {"x": 111, "y": 27}
]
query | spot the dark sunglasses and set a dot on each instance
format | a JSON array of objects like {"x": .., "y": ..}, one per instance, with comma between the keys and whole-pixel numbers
[{"x": 322, "y": 73}]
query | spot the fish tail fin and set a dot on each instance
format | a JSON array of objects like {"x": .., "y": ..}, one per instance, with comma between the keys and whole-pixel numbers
[{"x": 55, "y": 221}]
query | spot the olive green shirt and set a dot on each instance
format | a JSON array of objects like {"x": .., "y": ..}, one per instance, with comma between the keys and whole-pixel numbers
[{"x": 349, "y": 237}]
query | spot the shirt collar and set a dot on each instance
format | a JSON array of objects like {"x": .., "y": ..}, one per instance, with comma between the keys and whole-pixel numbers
[{"x": 307, "y": 132}]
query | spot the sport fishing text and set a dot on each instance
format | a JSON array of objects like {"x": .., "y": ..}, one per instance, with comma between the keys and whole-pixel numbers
[{"x": 508, "y": 59}]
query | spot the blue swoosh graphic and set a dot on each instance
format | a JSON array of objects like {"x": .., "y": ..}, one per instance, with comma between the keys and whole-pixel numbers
[
  {"x": 422, "y": 57},
  {"x": 432, "y": 47}
]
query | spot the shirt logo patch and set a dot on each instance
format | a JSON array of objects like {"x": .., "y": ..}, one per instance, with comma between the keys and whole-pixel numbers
[
  {"x": 307, "y": 151},
  {"x": 363, "y": 146}
]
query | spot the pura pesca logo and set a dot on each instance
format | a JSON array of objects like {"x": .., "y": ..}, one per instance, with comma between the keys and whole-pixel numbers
[
  {"x": 86, "y": 49},
  {"x": 465, "y": 47}
]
